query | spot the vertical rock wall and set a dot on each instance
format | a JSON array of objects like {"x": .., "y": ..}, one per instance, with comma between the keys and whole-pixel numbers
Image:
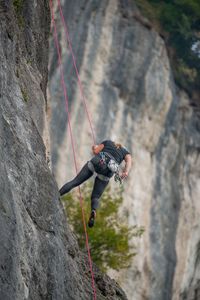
[{"x": 132, "y": 97}]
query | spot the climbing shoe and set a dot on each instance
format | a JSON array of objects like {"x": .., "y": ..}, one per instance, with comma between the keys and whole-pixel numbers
[{"x": 92, "y": 218}]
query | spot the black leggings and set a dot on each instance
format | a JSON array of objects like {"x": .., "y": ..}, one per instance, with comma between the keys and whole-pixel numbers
[{"x": 84, "y": 174}]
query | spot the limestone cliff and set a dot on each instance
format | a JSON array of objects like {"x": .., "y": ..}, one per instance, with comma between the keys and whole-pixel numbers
[
  {"x": 39, "y": 256},
  {"x": 132, "y": 98}
]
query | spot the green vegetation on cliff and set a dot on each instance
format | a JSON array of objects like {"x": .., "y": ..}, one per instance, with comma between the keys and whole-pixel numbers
[
  {"x": 179, "y": 22},
  {"x": 110, "y": 237}
]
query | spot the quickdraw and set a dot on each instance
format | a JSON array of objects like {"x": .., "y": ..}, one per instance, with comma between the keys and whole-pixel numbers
[
  {"x": 112, "y": 165},
  {"x": 103, "y": 158},
  {"x": 118, "y": 178}
]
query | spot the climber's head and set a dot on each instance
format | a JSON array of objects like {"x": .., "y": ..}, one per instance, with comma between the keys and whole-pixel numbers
[{"x": 118, "y": 145}]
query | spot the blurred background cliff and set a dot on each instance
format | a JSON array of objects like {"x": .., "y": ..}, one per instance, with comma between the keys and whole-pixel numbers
[{"x": 139, "y": 64}]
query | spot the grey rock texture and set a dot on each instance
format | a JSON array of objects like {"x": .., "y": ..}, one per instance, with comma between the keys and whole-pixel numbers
[
  {"x": 132, "y": 98},
  {"x": 39, "y": 256}
]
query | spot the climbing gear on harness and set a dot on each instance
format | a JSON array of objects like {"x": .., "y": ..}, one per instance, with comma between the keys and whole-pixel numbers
[
  {"x": 113, "y": 166},
  {"x": 105, "y": 160},
  {"x": 117, "y": 178},
  {"x": 109, "y": 161},
  {"x": 92, "y": 218},
  {"x": 102, "y": 159}
]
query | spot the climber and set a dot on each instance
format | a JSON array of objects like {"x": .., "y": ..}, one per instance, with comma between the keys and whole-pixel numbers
[{"x": 108, "y": 157}]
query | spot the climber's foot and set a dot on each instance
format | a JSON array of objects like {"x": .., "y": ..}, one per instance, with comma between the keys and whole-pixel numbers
[{"x": 92, "y": 218}]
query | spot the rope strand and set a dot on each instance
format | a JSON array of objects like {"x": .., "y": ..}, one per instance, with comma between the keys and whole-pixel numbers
[
  {"x": 72, "y": 142},
  {"x": 76, "y": 69}
]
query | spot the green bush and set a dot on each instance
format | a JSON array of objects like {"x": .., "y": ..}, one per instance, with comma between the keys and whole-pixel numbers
[
  {"x": 179, "y": 22},
  {"x": 109, "y": 238}
]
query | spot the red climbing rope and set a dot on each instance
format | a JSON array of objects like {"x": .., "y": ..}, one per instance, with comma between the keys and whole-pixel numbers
[
  {"x": 72, "y": 142},
  {"x": 76, "y": 69}
]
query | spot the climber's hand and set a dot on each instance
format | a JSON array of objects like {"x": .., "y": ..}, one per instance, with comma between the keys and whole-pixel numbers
[{"x": 124, "y": 175}]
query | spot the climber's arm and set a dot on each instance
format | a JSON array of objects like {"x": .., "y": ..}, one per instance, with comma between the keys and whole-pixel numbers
[
  {"x": 128, "y": 164},
  {"x": 97, "y": 148}
]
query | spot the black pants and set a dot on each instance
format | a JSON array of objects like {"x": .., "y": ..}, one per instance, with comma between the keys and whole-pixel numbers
[{"x": 84, "y": 174}]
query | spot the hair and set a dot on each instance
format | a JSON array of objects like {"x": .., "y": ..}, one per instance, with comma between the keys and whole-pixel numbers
[{"x": 118, "y": 145}]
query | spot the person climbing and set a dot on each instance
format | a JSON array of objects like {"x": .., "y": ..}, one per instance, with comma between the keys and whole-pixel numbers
[{"x": 107, "y": 157}]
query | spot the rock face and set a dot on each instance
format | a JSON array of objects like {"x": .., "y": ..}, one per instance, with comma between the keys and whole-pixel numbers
[
  {"x": 132, "y": 98},
  {"x": 40, "y": 258}
]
